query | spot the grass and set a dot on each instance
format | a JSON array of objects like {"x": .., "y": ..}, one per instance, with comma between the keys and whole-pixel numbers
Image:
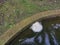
[{"x": 13, "y": 11}]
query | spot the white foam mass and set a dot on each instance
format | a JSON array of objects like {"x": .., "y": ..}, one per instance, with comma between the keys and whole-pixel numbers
[{"x": 37, "y": 27}]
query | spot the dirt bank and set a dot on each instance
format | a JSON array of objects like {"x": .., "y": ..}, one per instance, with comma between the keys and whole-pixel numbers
[{"x": 2, "y": 1}]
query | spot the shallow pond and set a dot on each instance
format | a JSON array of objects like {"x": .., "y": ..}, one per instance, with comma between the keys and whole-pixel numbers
[{"x": 41, "y": 32}]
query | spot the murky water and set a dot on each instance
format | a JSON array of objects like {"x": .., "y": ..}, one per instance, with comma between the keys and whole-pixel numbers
[{"x": 46, "y": 33}]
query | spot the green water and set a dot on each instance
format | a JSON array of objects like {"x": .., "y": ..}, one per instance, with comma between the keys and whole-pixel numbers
[{"x": 51, "y": 27}]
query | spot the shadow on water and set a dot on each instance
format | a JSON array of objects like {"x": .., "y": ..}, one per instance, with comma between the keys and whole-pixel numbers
[{"x": 50, "y": 35}]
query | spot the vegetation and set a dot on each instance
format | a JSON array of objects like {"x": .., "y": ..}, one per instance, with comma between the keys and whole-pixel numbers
[{"x": 13, "y": 11}]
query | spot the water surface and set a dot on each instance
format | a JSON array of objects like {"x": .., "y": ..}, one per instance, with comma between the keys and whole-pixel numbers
[{"x": 49, "y": 34}]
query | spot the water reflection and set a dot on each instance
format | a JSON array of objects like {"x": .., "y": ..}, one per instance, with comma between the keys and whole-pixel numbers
[
  {"x": 28, "y": 41},
  {"x": 44, "y": 32}
]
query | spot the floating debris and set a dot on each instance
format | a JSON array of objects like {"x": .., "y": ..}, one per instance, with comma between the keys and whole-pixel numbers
[{"x": 37, "y": 27}]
